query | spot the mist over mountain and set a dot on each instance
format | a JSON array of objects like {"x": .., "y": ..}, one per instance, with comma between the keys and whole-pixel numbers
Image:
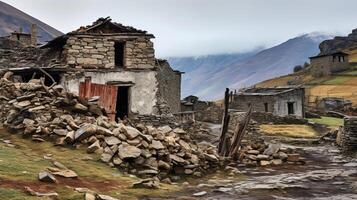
[
  {"x": 208, "y": 76},
  {"x": 11, "y": 19}
]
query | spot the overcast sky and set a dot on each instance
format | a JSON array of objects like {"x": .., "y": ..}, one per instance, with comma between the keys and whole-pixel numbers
[{"x": 201, "y": 27}]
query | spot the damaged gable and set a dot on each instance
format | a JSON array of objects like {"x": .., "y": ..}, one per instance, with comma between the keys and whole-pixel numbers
[
  {"x": 106, "y": 45},
  {"x": 105, "y": 25}
]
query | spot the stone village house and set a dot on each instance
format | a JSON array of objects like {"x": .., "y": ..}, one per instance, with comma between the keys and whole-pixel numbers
[
  {"x": 115, "y": 63},
  {"x": 280, "y": 101},
  {"x": 327, "y": 64},
  {"x": 26, "y": 39}
]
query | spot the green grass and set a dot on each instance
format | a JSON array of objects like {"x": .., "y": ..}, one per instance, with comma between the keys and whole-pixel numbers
[
  {"x": 11, "y": 194},
  {"x": 337, "y": 80},
  {"x": 329, "y": 121},
  {"x": 20, "y": 165},
  {"x": 354, "y": 73}
]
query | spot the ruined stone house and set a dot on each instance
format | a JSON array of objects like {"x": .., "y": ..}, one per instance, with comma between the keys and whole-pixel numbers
[
  {"x": 280, "y": 101},
  {"x": 206, "y": 111},
  {"x": 113, "y": 62},
  {"x": 26, "y": 39}
]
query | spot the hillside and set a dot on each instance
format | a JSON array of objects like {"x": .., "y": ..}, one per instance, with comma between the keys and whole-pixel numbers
[
  {"x": 21, "y": 160},
  {"x": 12, "y": 19},
  {"x": 343, "y": 85},
  {"x": 207, "y": 76}
]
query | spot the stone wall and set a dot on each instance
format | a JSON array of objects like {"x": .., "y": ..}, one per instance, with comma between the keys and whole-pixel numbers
[
  {"x": 174, "y": 121},
  {"x": 87, "y": 51},
  {"x": 269, "y": 118},
  {"x": 212, "y": 113},
  {"x": 169, "y": 86},
  {"x": 24, "y": 39},
  {"x": 324, "y": 66},
  {"x": 242, "y": 102},
  {"x": 349, "y": 134}
]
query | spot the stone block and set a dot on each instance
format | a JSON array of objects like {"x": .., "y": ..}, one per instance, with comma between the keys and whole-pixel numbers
[
  {"x": 76, "y": 47},
  {"x": 109, "y": 65},
  {"x": 87, "y": 61},
  {"x": 98, "y": 56}
]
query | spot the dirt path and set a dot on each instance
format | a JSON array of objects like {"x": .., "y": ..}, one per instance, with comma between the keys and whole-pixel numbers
[{"x": 326, "y": 175}]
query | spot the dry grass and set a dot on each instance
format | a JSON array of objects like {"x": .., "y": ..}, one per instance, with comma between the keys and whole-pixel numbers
[
  {"x": 332, "y": 86},
  {"x": 295, "y": 131},
  {"x": 280, "y": 81}
]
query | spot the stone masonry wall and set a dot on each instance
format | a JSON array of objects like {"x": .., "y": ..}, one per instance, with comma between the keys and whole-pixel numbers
[
  {"x": 242, "y": 102},
  {"x": 23, "y": 39},
  {"x": 169, "y": 83},
  {"x": 349, "y": 134},
  {"x": 85, "y": 51},
  {"x": 324, "y": 66}
]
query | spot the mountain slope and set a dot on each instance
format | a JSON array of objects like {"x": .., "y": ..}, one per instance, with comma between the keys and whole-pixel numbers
[
  {"x": 199, "y": 70},
  {"x": 207, "y": 77},
  {"x": 12, "y": 19}
]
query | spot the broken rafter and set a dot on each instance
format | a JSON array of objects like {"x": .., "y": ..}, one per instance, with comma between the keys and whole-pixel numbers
[{"x": 47, "y": 74}]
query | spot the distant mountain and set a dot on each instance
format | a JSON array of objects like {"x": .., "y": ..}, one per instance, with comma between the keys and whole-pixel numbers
[
  {"x": 12, "y": 19},
  {"x": 208, "y": 76}
]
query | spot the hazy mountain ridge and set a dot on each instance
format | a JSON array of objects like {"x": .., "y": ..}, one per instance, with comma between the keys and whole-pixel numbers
[
  {"x": 12, "y": 19},
  {"x": 207, "y": 76}
]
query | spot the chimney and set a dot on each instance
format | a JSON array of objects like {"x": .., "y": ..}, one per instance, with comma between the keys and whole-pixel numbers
[{"x": 34, "y": 35}]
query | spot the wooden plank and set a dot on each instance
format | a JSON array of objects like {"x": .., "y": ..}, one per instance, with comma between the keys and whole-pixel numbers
[
  {"x": 222, "y": 146},
  {"x": 107, "y": 93}
]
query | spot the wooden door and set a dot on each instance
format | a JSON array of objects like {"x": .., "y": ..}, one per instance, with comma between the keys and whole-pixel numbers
[{"x": 107, "y": 93}]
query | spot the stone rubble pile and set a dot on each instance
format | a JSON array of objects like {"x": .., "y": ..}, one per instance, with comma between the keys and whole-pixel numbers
[
  {"x": 50, "y": 113},
  {"x": 261, "y": 154}
]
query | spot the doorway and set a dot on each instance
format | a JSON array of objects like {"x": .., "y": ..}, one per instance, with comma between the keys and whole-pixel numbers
[
  {"x": 291, "y": 108},
  {"x": 266, "y": 108},
  {"x": 122, "y": 104}
]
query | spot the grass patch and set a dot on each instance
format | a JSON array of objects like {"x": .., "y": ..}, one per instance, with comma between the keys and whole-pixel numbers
[
  {"x": 337, "y": 80},
  {"x": 296, "y": 131},
  {"x": 20, "y": 165},
  {"x": 11, "y": 194},
  {"x": 350, "y": 72},
  {"x": 328, "y": 121}
]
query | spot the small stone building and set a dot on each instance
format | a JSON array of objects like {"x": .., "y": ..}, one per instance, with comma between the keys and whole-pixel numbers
[
  {"x": 115, "y": 63},
  {"x": 205, "y": 111},
  {"x": 26, "y": 39},
  {"x": 282, "y": 101},
  {"x": 327, "y": 64}
]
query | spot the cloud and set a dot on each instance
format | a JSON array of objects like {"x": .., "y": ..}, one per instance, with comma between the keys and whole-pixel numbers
[{"x": 201, "y": 27}]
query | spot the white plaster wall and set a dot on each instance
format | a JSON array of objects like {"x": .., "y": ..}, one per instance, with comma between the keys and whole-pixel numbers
[
  {"x": 142, "y": 95},
  {"x": 281, "y": 104}
]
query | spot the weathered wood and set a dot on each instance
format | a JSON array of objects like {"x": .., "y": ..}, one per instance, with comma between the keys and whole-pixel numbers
[
  {"x": 47, "y": 74},
  {"x": 222, "y": 147},
  {"x": 239, "y": 134},
  {"x": 107, "y": 93}
]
